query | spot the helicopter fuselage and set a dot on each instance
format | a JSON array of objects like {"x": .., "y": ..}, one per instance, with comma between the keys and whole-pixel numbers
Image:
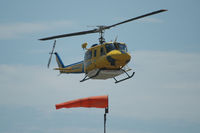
[
  {"x": 106, "y": 59},
  {"x": 109, "y": 57}
]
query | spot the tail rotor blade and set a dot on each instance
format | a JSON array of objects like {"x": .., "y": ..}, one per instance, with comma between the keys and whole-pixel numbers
[
  {"x": 52, "y": 52},
  {"x": 49, "y": 61}
]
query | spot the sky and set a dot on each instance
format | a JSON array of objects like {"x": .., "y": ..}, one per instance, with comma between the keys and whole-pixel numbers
[{"x": 162, "y": 97}]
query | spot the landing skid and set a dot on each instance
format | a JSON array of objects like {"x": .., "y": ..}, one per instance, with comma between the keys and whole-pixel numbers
[
  {"x": 86, "y": 77},
  {"x": 128, "y": 77},
  {"x": 116, "y": 81}
]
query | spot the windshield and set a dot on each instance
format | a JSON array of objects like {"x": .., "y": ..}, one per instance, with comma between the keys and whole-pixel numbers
[
  {"x": 122, "y": 47},
  {"x": 110, "y": 47},
  {"x": 118, "y": 46}
]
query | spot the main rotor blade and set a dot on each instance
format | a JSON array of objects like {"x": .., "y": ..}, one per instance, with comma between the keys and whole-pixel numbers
[
  {"x": 101, "y": 28},
  {"x": 132, "y": 19},
  {"x": 70, "y": 34}
]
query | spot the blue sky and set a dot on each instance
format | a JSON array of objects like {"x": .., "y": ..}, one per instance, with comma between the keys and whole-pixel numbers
[{"x": 162, "y": 97}]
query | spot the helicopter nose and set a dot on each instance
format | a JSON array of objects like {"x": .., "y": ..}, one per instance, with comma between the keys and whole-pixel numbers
[
  {"x": 118, "y": 55},
  {"x": 124, "y": 58},
  {"x": 120, "y": 58}
]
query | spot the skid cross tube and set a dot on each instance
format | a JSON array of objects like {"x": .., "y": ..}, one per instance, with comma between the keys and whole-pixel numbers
[
  {"x": 128, "y": 76},
  {"x": 85, "y": 78}
]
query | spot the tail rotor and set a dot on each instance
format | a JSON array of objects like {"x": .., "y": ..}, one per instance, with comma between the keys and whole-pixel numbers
[{"x": 51, "y": 53}]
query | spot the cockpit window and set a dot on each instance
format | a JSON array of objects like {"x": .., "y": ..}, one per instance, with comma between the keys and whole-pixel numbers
[
  {"x": 110, "y": 47},
  {"x": 122, "y": 47}
]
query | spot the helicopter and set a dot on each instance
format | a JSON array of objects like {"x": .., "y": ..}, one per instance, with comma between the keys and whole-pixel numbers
[{"x": 101, "y": 61}]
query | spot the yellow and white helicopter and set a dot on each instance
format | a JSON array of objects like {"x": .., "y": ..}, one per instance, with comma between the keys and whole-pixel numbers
[{"x": 101, "y": 61}]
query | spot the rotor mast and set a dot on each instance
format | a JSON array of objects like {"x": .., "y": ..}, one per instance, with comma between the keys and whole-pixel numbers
[{"x": 101, "y": 34}]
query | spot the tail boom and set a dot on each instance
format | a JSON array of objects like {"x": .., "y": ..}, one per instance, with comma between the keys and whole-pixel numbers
[{"x": 72, "y": 68}]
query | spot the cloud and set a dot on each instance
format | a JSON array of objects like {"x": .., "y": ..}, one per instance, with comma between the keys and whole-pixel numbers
[
  {"x": 19, "y": 82},
  {"x": 18, "y": 29},
  {"x": 166, "y": 86}
]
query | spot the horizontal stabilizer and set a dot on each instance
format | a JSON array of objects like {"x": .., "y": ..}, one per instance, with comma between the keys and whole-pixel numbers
[{"x": 62, "y": 69}]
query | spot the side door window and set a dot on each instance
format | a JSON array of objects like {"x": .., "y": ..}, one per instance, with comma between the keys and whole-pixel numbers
[
  {"x": 88, "y": 55},
  {"x": 95, "y": 53},
  {"x": 102, "y": 52}
]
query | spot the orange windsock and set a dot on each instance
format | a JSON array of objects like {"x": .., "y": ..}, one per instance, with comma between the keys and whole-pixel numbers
[{"x": 89, "y": 102}]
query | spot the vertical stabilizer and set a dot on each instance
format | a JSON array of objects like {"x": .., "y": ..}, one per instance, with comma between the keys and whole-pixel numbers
[{"x": 59, "y": 61}]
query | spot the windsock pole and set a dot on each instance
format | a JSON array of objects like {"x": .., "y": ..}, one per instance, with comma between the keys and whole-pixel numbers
[{"x": 106, "y": 111}]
